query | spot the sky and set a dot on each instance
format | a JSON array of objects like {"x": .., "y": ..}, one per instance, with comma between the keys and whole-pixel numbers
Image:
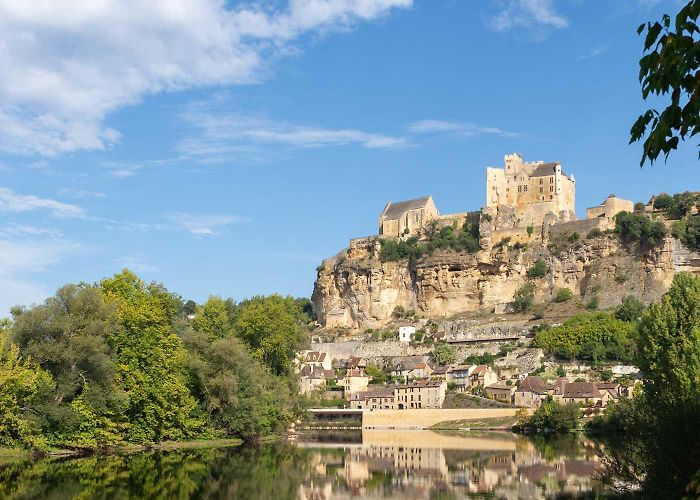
[{"x": 226, "y": 148}]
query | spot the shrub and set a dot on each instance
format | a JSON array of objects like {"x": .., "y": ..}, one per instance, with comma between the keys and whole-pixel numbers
[
  {"x": 554, "y": 417},
  {"x": 606, "y": 375},
  {"x": 484, "y": 359},
  {"x": 398, "y": 313},
  {"x": 592, "y": 304},
  {"x": 663, "y": 201},
  {"x": 524, "y": 297},
  {"x": 538, "y": 311},
  {"x": 443, "y": 354},
  {"x": 560, "y": 371},
  {"x": 594, "y": 233},
  {"x": 638, "y": 228},
  {"x": 574, "y": 237},
  {"x": 639, "y": 207},
  {"x": 589, "y": 336},
  {"x": 630, "y": 309},
  {"x": 530, "y": 230},
  {"x": 563, "y": 294},
  {"x": 538, "y": 269},
  {"x": 486, "y": 217}
]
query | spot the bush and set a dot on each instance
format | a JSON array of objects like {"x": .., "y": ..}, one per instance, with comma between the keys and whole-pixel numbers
[
  {"x": 638, "y": 228},
  {"x": 639, "y": 207},
  {"x": 538, "y": 270},
  {"x": 554, "y": 417},
  {"x": 594, "y": 336},
  {"x": 398, "y": 313},
  {"x": 688, "y": 231},
  {"x": 592, "y": 304},
  {"x": 663, "y": 201},
  {"x": 563, "y": 294},
  {"x": 538, "y": 311},
  {"x": 560, "y": 371},
  {"x": 630, "y": 309},
  {"x": 484, "y": 359},
  {"x": 524, "y": 297},
  {"x": 595, "y": 233},
  {"x": 444, "y": 354},
  {"x": 530, "y": 230}
]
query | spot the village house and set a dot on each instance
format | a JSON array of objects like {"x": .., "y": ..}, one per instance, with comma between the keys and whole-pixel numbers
[
  {"x": 585, "y": 394},
  {"x": 378, "y": 398},
  {"x": 406, "y": 333},
  {"x": 355, "y": 363},
  {"x": 531, "y": 392},
  {"x": 420, "y": 394},
  {"x": 315, "y": 358},
  {"x": 313, "y": 378},
  {"x": 500, "y": 392},
  {"x": 440, "y": 372},
  {"x": 534, "y": 189},
  {"x": 354, "y": 381},
  {"x": 410, "y": 368},
  {"x": 482, "y": 376},
  {"x": 459, "y": 375}
]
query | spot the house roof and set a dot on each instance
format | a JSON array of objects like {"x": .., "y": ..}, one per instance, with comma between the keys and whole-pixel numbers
[
  {"x": 315, "y": 357},
  {"x": 394, "y": 210},
  {"x": 461, "y": 368},
  {"x": 316, "y": 372},
  {"x": 409, "y": 364},
  {"x": 581, "y": 390},
  {"x": 500, "y": 387},
  {"x": 545, "y": 169},
  {"x": 355, "y": 373},
  {"x": 534, "y": 384},
  {"x": 480, "y": 369},
  {"x": 440, "y": 370},
  {"x": 386, "y": 391},
  {"x": 421, "y": 383},
  {"x": 355, "y": 362}
]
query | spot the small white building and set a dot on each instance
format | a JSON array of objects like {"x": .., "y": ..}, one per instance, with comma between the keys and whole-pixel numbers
[{"x": 405, "y": 333}]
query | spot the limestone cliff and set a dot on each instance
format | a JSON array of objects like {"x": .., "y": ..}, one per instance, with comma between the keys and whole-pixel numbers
[{"x": 356, "y": 290}]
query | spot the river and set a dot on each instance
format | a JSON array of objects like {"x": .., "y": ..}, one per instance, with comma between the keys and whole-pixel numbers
[{"x": 367, "y": 464}]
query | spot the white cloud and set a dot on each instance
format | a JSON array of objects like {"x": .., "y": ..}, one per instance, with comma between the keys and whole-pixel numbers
[
  {"x": 82, "y": 194},
  {"x": 592, "y": 53},
  {"x": 12, "y": 230},
  {"x": 527, "y": 14},
  {"x": 138, "y": 263},
  {"x": 13, "y": 202},
  {"x": 457, "y": 128},
  {"x": 67, "y": 65},
  {"x": 218, "y": 133},
  {"x": 204, "y": 224}
]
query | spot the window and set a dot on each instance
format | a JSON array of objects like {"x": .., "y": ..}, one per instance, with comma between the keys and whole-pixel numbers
[
  {"x": 551, "y": 196},
  {"x": 551, "y": 180},
  {"x": 551, "y": 188},
  {"x": 525, "y": 188},
  {"x": 541, "y": 189},
  {"x": 520, "y": 189},
  {"x": 540, "y": 180}
]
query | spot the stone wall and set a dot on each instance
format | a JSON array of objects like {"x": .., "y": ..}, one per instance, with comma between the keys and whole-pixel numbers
[{"x": 425, "y": 418}]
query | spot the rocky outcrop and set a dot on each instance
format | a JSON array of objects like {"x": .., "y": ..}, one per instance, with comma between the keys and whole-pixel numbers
[{"x": 356, "y": 290}]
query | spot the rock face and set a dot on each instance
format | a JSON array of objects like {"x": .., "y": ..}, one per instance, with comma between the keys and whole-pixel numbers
[{"x": 355, "y": 290}]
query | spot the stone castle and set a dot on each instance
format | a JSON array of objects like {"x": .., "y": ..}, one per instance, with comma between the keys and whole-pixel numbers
[{"x": 519, "y": 195}]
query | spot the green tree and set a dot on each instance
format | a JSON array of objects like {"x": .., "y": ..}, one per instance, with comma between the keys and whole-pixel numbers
[
  {"x": 524, "y": 297},
  {"x": 538, "y": 269},
  {"x": 444, "y": 354},
  {"x": 212, "y": 319},
  {"x": 670, "y": 67},
  {"x": 664, "y": 201},
  {"x": 150, "y": 361},
  {"x": 554, "y": 417},
  {"x": 630, "y": 309},
  {"x": 640, "y": 229},
  {"x": 22, "y": 386},
  {"x": 67, "y": 336},
  {"x": 270, "y": 326}
]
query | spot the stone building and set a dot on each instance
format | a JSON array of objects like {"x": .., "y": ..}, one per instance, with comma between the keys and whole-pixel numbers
[
  {"x": 609, "y": 209},
  {"x": 420, "y": 394},
  {"x": 534, "y": 189},
  {"x": 406, "y": 218}
]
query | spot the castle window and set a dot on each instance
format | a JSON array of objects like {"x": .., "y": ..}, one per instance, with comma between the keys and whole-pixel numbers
[
  {"x": 525, "y": 188},
  {"x": 551, "y": 196},
  {"x": 551, "y": 188},
  {"x": 540, "y": 180},
  {"x": 541, "y": 189},
  {"x": 520, "y": 189},
  {"x": 551, "y": 180}
]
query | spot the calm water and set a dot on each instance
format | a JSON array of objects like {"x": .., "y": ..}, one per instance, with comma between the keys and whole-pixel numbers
[{"x": 371, "y": 464}]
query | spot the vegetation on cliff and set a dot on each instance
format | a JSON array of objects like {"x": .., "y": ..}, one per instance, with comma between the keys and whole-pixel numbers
[
  {"x": 639, "y": 229},
  {"x": 118, "y": 362},
  {"x": 466, "y": 239}
]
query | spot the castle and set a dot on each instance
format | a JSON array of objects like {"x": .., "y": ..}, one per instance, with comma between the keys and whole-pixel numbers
[{"x": 533, "y": 193}]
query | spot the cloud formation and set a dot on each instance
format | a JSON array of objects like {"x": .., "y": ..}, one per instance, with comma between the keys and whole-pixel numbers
[
  {"x": 67, "y": 65},
  {"x": 204, "y": 224},
  {"x": 13, "y": 202},
  {"x": 457, "y": 128},
  {"x": 527, "y": 14},
  {"x": 221, "y": 134}
]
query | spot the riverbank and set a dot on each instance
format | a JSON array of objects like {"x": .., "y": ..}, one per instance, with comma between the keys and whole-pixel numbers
[{"x": 17, "y": 453}]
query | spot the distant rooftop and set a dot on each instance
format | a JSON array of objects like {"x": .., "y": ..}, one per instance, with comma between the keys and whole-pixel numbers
[{"x": 394, "y": 210}]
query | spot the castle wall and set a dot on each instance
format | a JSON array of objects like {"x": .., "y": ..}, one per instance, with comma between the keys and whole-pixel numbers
[{"x": 582, "y": 227}]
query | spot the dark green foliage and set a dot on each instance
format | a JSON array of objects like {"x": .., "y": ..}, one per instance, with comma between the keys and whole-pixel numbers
[
  {"x": 596, "y": 336},
  {"x": 560, "y": 371},
  {"x": 377, "y": 375},
  {"x": 593, "y": 303},
  {"x": 660, "y": 426},
  {"x": 688, "y": 231},
  {"x": 538, "y": 269},
  {"x": 630, "y": 309},
  {"x": 639, "y": 229},
  {"x": 639, "y": 207},
  {"x": 445, "y": 238},
  {"x": 524, "y": 297},
  {"x": 553, "y": 417},
  {"x": 398, "y": 313},
  {"x": 530, "y": 230},
  {"x": 595, "y": 233},
  {"x": 190, "y": 307},
  {"x": 483, "y": 359},
  {"x": 663, "y": 201},
  {"x": 669, "y": 68},
  {"x": 443, "y": 354},
  {"x": 563, "y": 294}
]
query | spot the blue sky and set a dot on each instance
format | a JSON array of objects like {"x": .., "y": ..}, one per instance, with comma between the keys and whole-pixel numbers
[{"x": 227, "y": 148}]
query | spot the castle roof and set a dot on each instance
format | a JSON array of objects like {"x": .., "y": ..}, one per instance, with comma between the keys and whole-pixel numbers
[
  {"x": 545, "y": 169},
  {"x": 394, "y": 210}
]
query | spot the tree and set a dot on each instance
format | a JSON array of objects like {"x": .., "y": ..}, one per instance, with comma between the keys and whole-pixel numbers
[
  {"x": 67, "y": 336},
  {"x": 444, "y": 354},
  {"x": 149, "y": 361},
  {"x": 524, "y": 297},
  {"x": 22, "y": 386},
  {"x": 538, "y": 269},
  {"x": 241, "y": 397},
  {"x": 663, "y": 202},
  {"x": 670, "y": 67},
  {"x": 638, "y": 228},
  {"x": 190, "y": 307},
  {"x": 212, "y": 319},
  {"x": 630, "y": 309},
  {"x": 554, "y": 417},
  {"x": 270, "y": 326}
]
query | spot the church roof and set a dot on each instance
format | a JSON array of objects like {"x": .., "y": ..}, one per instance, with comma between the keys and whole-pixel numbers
[
  {"x": 544, "y": 170},
  {"x": 394, "y": 210}
]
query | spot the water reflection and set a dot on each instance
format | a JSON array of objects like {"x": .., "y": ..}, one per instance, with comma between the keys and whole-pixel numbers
[
  {"x": 425, "y": 464},
  {"x": 371, "y": 464}
]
